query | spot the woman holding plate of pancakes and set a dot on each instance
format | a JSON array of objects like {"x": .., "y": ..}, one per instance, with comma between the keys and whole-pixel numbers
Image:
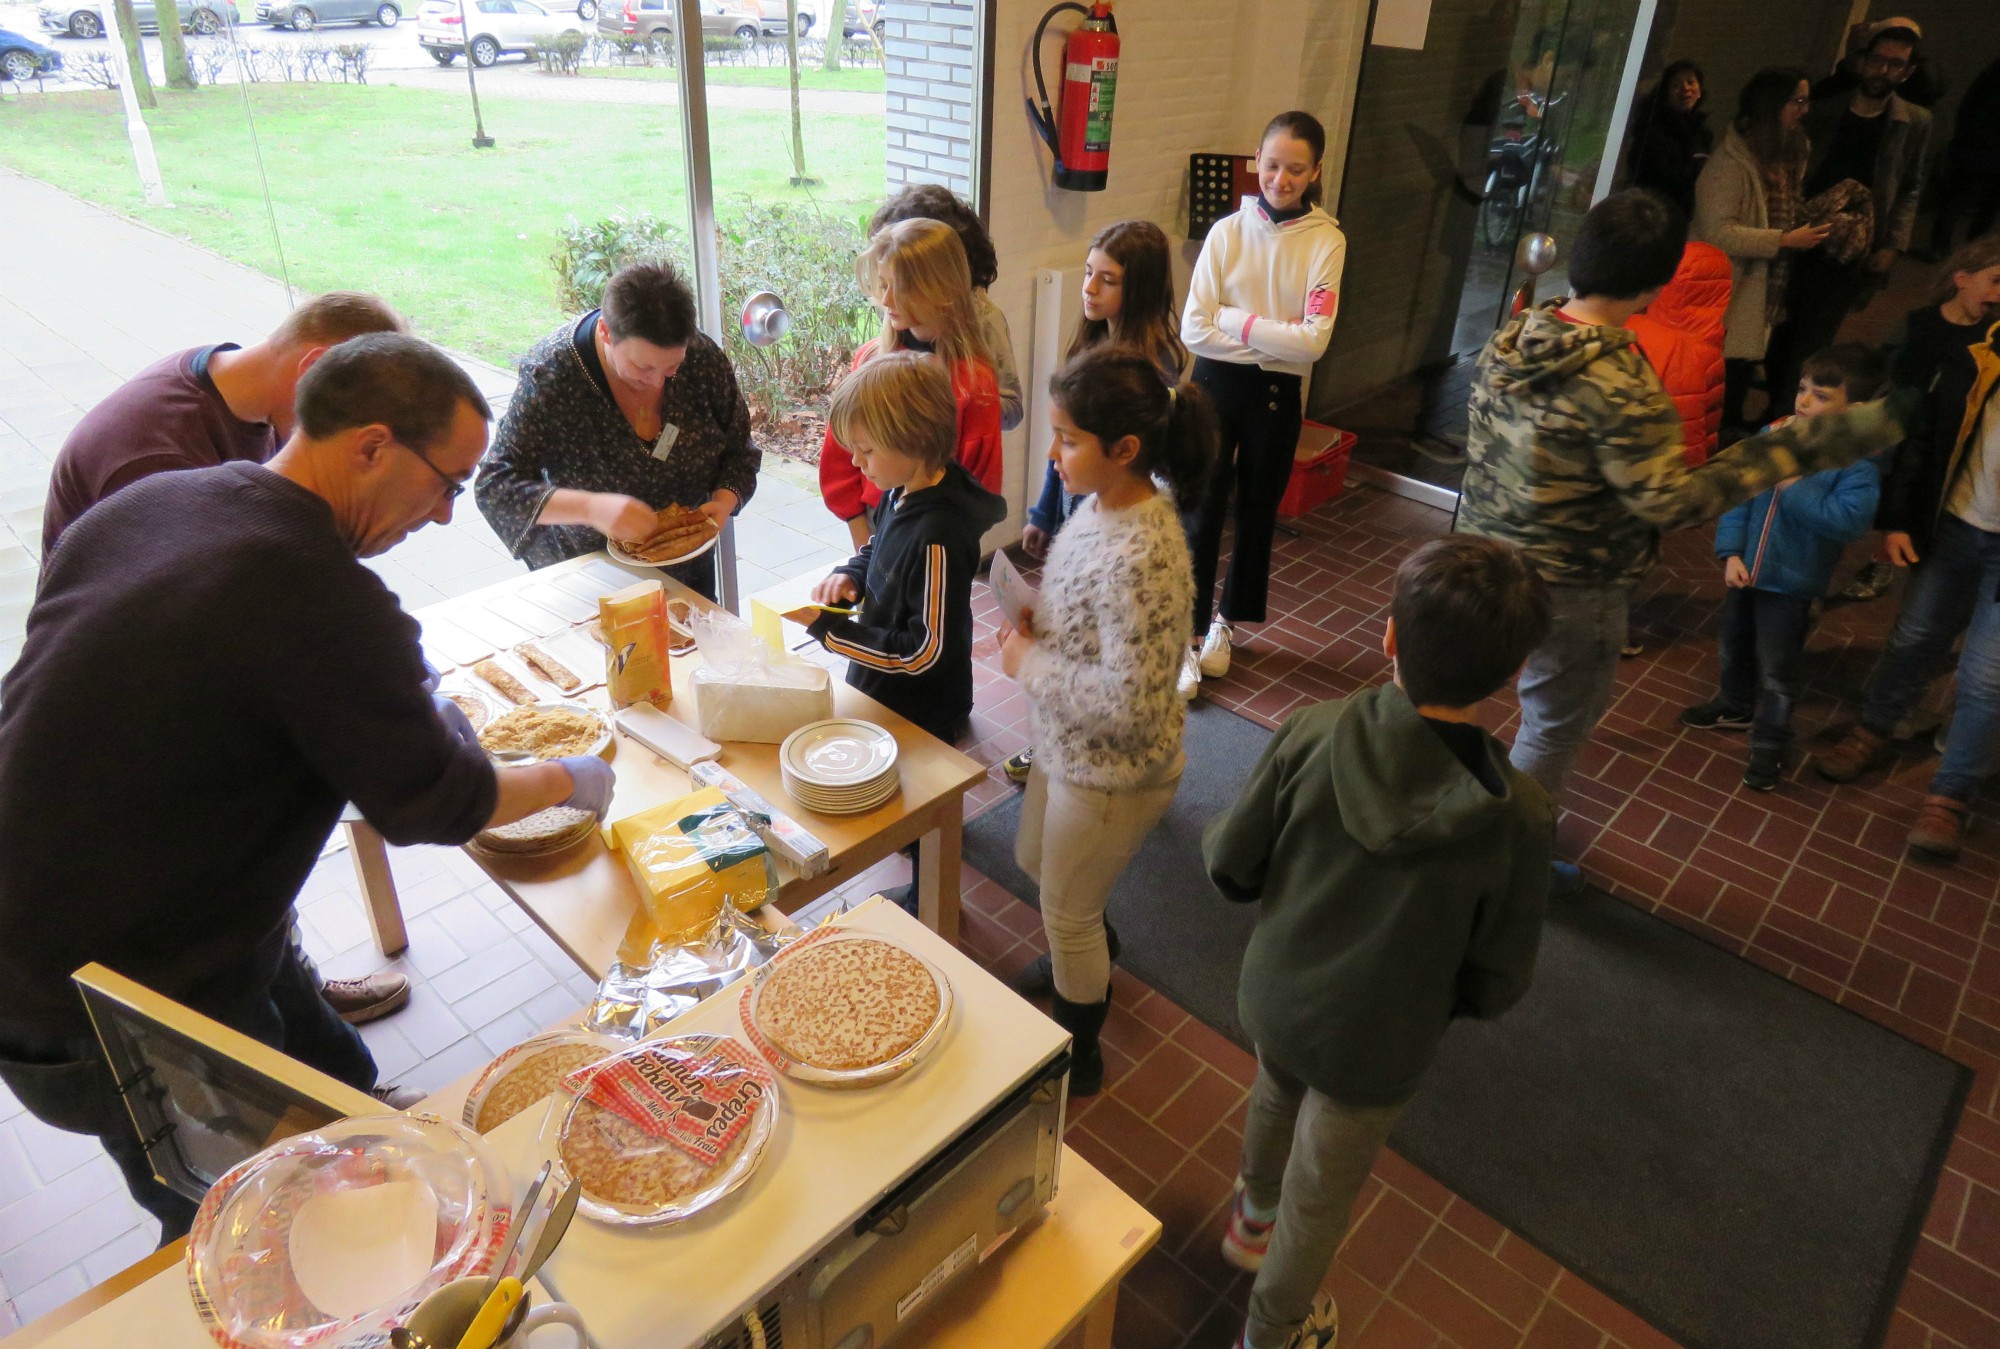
[{"x": 627, "y": 426}]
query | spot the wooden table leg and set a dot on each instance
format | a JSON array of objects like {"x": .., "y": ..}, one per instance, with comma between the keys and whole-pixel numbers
[
  {"x": 938, "y": 878},
  {"x": 378, "y": 887},
  {"x": 1097, "y": 1321}
]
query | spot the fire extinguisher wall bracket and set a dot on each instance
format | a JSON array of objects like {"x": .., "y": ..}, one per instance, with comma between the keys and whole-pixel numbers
[{"x": 1079, "y": 133}]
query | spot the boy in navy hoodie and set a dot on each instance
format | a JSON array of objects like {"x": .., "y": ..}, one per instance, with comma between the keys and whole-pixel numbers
[
  {"x": 910, "y": 645},
  {"x": 1778, "y": 551},
  {"x": 1400, "y": 865}
]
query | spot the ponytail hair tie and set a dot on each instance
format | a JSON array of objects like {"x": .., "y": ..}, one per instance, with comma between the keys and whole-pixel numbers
[{"x": 1173, "y": 394}]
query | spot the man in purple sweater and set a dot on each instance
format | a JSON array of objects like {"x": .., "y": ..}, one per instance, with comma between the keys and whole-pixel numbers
[
  {"x": 201, "y": 407},
  {"x": 209, "y": 674}
]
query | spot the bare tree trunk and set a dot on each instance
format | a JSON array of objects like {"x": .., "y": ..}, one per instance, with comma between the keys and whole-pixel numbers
[
  {"x": 836, "y": 25},
  {"x": 173, "y": 48},
  {"x": 135, "y": 54},
  {"x": 799, "y": 175}
]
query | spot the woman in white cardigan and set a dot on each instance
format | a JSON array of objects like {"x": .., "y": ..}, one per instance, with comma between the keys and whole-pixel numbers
[{"x": 1745, "y": 203}]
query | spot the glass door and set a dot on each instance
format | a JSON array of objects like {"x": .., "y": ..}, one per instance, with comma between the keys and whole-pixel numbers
[{"x": 1503, "y": 125}]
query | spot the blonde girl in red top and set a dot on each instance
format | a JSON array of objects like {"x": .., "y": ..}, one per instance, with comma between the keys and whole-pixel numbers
[{"x": 917, "y": 272}]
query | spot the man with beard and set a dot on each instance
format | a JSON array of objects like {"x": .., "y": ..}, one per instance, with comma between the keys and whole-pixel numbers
[{"x": 1879, "y": 139}]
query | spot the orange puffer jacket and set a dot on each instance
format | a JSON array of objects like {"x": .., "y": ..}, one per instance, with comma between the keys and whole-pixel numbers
[{"x": 1681, "y": 334}]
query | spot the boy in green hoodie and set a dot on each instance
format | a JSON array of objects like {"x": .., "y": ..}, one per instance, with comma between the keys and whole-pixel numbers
[{"x": 1402, "y": 864}]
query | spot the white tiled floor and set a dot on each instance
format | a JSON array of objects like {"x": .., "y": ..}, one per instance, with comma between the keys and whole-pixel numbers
[{"x": 484, "y": 975}]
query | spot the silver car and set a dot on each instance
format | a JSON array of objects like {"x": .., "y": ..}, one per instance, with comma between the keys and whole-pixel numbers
[
  {"x": 652, "y": 21},
  {"x": 305, "y": 15},
  {"x": 85, "y": 18}
]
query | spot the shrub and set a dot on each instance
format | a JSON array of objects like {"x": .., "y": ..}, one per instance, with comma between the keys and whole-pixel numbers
[
  {"x": 563, "y": 54},
  {"x": 807, "y": 257},
  {"x": 804, "y": 255},
  {"x": 93, "y": 68},
  {"x": 211, "y": 58},
  {"x": 350, "y": 61}
]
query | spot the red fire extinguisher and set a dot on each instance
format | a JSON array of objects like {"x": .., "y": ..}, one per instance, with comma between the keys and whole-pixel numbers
[{"x": 1080, "y": 135}]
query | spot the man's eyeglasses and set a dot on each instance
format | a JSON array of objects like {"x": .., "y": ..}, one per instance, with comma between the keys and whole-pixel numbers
[{"x": 453, "y": 488}]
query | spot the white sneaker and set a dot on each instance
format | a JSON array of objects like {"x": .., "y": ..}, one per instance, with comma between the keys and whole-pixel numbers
[
  {"x": 1215, "y": 650},
  {"x": 1189, "y": 683}
]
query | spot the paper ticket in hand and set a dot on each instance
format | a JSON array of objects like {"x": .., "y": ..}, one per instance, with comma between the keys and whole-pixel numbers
[{"x": 1011, "y": 590}]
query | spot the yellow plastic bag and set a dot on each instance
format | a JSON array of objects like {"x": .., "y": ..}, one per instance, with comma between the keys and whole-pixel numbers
[
  {"x": 692, "y": 856},
  {"x": 634, "y": 621}
]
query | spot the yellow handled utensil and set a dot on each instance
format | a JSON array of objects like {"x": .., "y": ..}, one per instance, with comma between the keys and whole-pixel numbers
[{"x": 488, "y": 1322}]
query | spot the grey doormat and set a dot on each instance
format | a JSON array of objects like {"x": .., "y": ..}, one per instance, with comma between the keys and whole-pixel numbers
[{"x": 1741, "y": 1162}]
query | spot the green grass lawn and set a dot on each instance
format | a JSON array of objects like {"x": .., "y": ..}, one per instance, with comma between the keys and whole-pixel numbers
[
  {"x": 379, "y": 188},
  {"x": 848, "y": 79}
]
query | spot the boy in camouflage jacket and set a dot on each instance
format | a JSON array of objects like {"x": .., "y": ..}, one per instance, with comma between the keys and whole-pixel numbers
[{"x": 1574, "y": 456}]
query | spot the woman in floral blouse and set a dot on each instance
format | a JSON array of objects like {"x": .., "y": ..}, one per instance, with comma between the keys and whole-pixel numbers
[{"x": 618, "y": 415}]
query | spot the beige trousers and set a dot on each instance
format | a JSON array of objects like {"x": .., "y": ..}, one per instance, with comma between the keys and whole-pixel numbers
[{"x": 1075, "y": 842}]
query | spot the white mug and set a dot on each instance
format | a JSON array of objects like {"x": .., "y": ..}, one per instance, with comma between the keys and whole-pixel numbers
[{"x": 444, "y": 1315}]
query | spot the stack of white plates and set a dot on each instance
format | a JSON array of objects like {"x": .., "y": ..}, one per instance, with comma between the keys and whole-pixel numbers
[{"x": 839, "y": 766}]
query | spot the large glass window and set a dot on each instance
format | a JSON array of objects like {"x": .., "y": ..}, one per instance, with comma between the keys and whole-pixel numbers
[{"x": 486, "y": 164}]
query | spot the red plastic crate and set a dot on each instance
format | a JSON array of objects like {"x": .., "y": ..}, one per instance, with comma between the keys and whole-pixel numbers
[{"x": 1319, "y": 472}]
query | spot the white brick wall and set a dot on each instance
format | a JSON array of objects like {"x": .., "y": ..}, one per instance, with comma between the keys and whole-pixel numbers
[
  {"x": 932, "y": 59},
  {"x": 1193, "y": 75}
]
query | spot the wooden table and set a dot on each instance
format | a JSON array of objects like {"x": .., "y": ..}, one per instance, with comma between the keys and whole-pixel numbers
[
  {"x": 1055, "y": 1284},
  {"x": 584, "y": 898}
]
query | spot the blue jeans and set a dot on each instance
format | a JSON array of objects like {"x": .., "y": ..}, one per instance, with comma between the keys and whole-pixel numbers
[
  {"x": 1567, "y": 684},
  {"x": 1763, "y": 636},
  {"x": 270, "y": 995},
  {"x": 1955, "y": 589}
]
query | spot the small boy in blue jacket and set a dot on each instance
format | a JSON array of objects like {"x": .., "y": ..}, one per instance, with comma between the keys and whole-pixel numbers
[{"x": 1778, "y": 551}]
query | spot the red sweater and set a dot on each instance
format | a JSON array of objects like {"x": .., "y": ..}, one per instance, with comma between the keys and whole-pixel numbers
[
  {"x": 1681, "y": 335},
  {"x": 847, "y": 493}
]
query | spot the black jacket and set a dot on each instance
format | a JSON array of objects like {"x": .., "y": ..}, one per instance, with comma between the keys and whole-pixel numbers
[
  {"x": 910, "y": 648},
  {"x": 1930, "y": 459},
  {"x": 1669, "y": 149}
]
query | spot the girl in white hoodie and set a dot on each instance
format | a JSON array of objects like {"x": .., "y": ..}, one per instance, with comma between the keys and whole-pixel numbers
[{"x": 1260, "y": 311}]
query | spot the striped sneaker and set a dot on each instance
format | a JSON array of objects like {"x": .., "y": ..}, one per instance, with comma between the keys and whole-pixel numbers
[
  {"x": 1246, "y": 1240},
  {"x": 1320, "y": 1330}
]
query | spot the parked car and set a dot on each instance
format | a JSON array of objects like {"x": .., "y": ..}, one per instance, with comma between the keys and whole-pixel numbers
[
  {"x": 23, "y": 58},
  {"x": 85, "y": 18},
  {"x": 496, "y": 27},
  {"x": 773, "y": 14},
  {"x": 305, "y": 15},
  {"x": 652, "y": 21},
  {"x": 863, "y": 16}
]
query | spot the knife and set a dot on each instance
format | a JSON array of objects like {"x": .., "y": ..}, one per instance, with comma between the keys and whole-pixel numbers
[{"x": 486, "y": 1298}]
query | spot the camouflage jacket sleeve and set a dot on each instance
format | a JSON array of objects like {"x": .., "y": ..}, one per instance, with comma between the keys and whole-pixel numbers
[{"x": 1637, "y": 440}]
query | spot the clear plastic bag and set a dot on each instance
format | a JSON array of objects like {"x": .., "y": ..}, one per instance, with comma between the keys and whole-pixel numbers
[
  {"x": 666, "y": 1128},
  {"x": 332, "y": 1237},
  {"x": 746, "y": 691}
]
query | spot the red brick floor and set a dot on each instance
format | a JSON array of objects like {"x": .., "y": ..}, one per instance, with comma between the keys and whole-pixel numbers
[{"x": 1810, "y": 882}]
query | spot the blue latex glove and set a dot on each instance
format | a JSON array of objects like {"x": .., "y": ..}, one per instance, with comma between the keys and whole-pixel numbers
[
  {"x": 431, "y": 675},
  {"x": 455, "y": 721},
  {"x": 591, "y": 781}
]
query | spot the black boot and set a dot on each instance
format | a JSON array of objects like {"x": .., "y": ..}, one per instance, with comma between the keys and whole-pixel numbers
[
  {"x": 1037, "y": 978},
  {"x": 1085, "y": 1022}
]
